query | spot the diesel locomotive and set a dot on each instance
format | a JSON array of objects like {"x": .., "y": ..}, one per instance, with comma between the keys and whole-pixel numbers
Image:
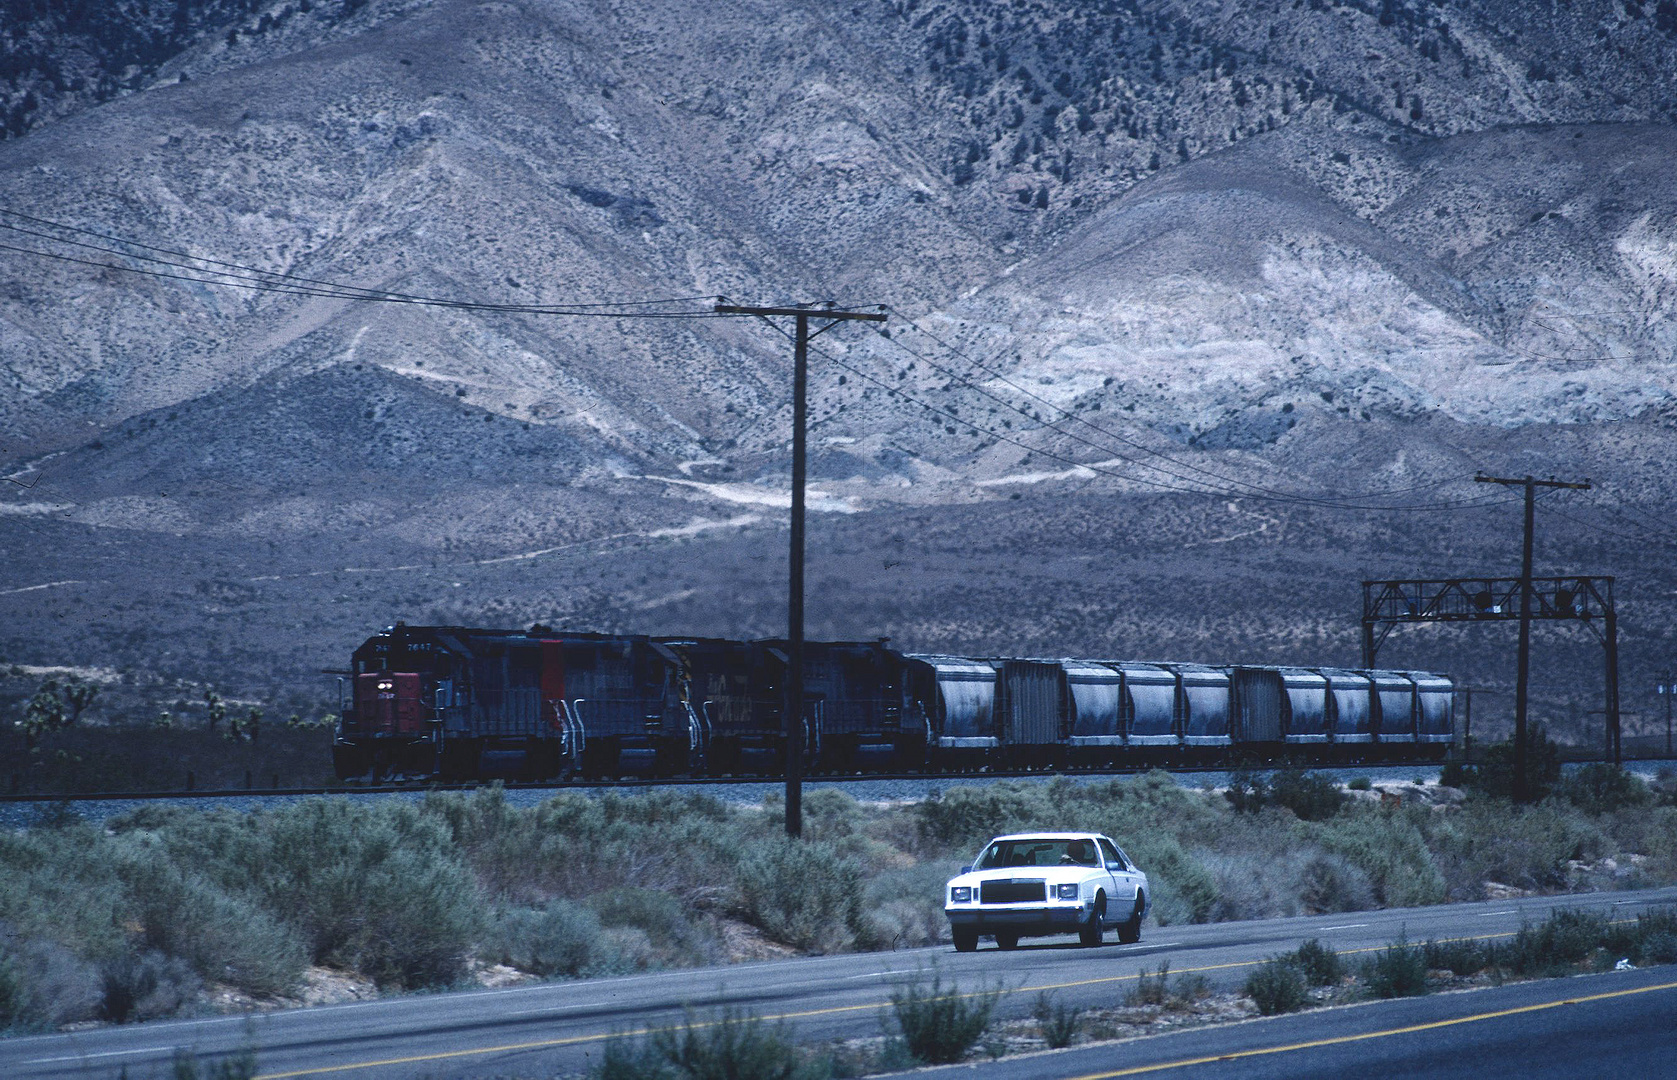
[{"x": 457, "y": 703}]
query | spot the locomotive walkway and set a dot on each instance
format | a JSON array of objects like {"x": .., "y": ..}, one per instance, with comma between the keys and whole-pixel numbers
[{"x": 559, "y": 1028}]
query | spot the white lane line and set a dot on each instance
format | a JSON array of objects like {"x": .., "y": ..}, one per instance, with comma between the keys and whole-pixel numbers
[
  {"x": 104, "y": 1054},
  {"x": 1488, "y": 914},
  {"x": 870, "y": 975},
  {"x": 1349, "y": 926},
  {"x": 1153, "y": 945}
]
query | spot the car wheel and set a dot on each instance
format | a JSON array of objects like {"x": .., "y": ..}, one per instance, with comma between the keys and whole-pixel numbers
[
  {"x": 1093, "y": 931},
  {"x": 1007, "y": 941},
  {"x": 965, "y": 940},
  {"x": 1130, "y": 932}
]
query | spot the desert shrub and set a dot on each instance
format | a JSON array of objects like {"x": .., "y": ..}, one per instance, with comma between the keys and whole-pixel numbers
[
  {"x": 1319, "y": 965},
  {"x": 561, "y": 939},
  {"x": 61, "y": 885},
  {"x": 675, "y": 939},
  {"x": 964, "y": 817},
  {"x": 1310, "y": 796},
  {"x": 801, "y": 893},
  {"x": 1553, "y": 946},
  {"x": 1057, "y": 1020},
  {"x": 186, "y": 1066},
  {"x": 1360, "y": 783},
  {"x": 1600, "y": 788},
  {"x": 1525, "y": 846},
  {"x": 43, "y": 984},
  {"x": 1656, "y": 938},
  {"x": 1388, "y": 847},
  {"x": 225, "y": 938},
  {"x": 147, "y": 986},
  {"x": 1184, "y": 891},
  {"x": 1276, "y": 987},
  {"x": 1493, "y": 775},
  {"x": 1248, "y": 792},
  {"x": 1457, "y": 956},
  {"x": 733, "y": 1046},
  {"x": 1253, "y": 886},
  {"x": 1330, "y": 883},
  {"x": 940, "y": 1025},
  {"x": 378, "y": 890},
  {"x": 1398, "y": 970},
  {"x": 905, "y": 907}
]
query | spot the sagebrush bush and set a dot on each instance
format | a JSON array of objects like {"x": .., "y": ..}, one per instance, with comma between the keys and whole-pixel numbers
[
  {"x": 239, "y": 1066},
  {"x": 1057, "y": 1020},
  {"x": 1310, "y": 796},
  {"x": 1253, "y": 886},
  {"x": 730, "y": 1046},
  {"x": 1398, "y": 970},
  {"x": 1319, "y": 965},
  {"x": 1276, "y": 987},
  {"x": 905, "y": 907},
  {"x": 1331, "y": 883},
  {"x": 147, "y": 986},
  {"x": 225, "y": 938},
  {"x": 562, "y": 939},
  {"x": 1389, "y": 847},
  {"x": 1602, "y": 788},
  {"x": 801, "y": 893},
  {"x": 1554, "y": 946},
  {"x": 1528, "y": 847},
  {"x": 939, "y": 1025},
  {"x": 1457, "y": 956},
  {"x": 43, "y": 984},
  {"x": 674, "y": 936},
  {"x": 377, "y": 889}
]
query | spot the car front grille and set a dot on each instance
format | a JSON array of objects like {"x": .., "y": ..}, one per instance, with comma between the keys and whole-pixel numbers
[{"x": 1013, "y": 892}]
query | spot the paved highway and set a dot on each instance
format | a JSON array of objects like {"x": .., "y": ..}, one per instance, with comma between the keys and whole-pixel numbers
[
  {"x": 554, "y": 1028},
  {"x": 1621, "y": 1024}
]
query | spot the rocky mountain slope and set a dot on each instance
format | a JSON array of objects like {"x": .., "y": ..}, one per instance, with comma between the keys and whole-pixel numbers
[{"x": 1257, "y": 286}]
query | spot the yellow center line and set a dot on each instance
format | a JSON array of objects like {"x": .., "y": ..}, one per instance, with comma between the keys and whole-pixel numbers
[
  {"x": 1341, "y": 1039},
  {"x": 572, "y": 1040}
]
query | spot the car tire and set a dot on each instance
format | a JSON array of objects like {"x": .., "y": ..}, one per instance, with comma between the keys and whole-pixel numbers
[
  {"x": 965, "y": 940},
  {"x": 1130, "y": 932},
  {"x": 1092, "y": 932},
  {"x": 1007, "y": 941}
]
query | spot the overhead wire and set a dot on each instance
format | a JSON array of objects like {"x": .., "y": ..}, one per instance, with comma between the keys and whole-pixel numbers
[
  {"x": 241, "y": 276},
  {"x": 1256, "y": 491},
  {"x": 1100, "y": 468}
]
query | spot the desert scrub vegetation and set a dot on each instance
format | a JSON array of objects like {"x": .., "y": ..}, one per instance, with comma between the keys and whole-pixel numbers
[{"x": 155, "y": 911}]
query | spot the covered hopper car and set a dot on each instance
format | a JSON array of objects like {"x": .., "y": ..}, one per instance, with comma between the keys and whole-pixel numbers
[{"x": 458, "y": 703}]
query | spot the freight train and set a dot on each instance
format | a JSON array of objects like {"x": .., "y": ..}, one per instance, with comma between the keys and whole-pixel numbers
[{"x": 457, "y": 703}]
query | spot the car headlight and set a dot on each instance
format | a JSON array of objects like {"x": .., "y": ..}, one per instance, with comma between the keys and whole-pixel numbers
[
  {"x": 960, "y": 894},
  {"x": 1066, "y": 892}
]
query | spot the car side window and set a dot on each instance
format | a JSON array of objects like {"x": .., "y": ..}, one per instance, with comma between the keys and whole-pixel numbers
[{"x": 1112, "y": 855}]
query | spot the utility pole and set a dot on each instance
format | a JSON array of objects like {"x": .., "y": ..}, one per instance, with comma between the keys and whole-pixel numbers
[
  {"x": 1524, "y": 675},
  {"x": 793, "y": 719}
]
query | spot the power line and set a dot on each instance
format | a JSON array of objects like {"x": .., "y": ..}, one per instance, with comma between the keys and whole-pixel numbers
[
  {"x": 1102, "y": 470},
  {"x": 1085, "y": 421},
  {"x": 255, "y": 279},
  {"x": 1272, "y": 493}
]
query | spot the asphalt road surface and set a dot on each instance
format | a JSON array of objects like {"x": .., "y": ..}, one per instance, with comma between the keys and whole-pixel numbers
[
  {"x": 558, "y": 1028},
  {"x": 1619, "y": 1024}
]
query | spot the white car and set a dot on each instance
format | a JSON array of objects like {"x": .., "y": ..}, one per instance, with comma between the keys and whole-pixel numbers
[{"x": 1035, "y": 884}]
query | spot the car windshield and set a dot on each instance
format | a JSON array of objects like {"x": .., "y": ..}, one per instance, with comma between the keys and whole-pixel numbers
[{"x": 1044, "y": 852}]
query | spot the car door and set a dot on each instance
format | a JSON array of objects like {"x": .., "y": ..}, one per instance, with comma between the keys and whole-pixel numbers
[{"x": 1123, "y": 876}]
